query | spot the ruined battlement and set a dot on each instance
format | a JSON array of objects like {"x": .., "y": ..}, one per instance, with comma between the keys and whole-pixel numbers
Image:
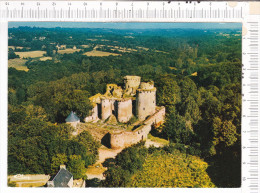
[
  {"x": 146, "y": 90},
  {"x": 147, "y": 85},
  {"x": 113, "y": 90},
  {"x": 131, "y": 84},
  {"x": 132, "y": 78}
]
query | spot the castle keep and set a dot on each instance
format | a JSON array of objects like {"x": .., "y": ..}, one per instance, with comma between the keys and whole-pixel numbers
[{"x": 136, "y": 98}]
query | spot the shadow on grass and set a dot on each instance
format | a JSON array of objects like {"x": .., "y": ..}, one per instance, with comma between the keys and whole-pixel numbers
[
  {"x": 109, "y": 162},
  {"x": 106, "y": 140},
  {"x": 94, "y": 182}
]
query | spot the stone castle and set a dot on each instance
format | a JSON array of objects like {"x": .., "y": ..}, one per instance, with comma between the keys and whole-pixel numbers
[{"x": 135, "y": 99}]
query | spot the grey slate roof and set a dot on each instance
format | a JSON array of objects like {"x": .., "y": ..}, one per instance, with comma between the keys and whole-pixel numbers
[
  {"x": 72, "y": 117},
  {"x": 62, "y": 178}
]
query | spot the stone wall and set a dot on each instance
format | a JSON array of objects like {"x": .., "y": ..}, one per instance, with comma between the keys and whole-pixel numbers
[
  {"x": 94, "y": 114},
  {"x": 157, "y": 118},
  {"x": 73, "y": 124},
  {"x": 143, "y": 131},
  {"x": 124, "y": 139},
  {"x": 117, "y": 140},
  {"x": 124, "y": 110}
]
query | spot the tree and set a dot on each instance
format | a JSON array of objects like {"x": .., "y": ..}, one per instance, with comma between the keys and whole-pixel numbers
[
  {"x": 179, "y": 63},
  {"x": 12, "y": 99},
  {"x": 76, "y": 166},
  {"x": 162, "y": 169},
  {"x": 11, "y": 54},
  {"x": 49, "y": 50},
  {"x": 57, "y": 160},
  {"x": 175, "y": 128},
  {"x": 224, "y": 132},
  {"x": 36, "y": 112},
  {"x": 11, "y": 184},
  {"x": 91, "y": 147},
  {"x": 116, "y": 177},
  {"x": 132, "y": 158},
  {"x": 33, "y": 143},
  {"x": 77, "y": 101},
  {"x": 168, "y": 92}
]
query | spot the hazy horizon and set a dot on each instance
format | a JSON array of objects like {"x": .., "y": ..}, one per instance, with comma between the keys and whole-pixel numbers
[{"x": 119, "y": 25}]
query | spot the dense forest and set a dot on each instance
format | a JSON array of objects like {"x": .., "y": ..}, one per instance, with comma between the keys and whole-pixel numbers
[{"x": 197, "y": 74}]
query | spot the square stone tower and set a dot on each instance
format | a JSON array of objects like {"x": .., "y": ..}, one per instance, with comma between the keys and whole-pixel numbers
[{"x": 132, "y": 83}]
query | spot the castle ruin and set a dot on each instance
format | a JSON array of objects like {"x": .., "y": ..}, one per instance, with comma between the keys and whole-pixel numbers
[
  {"x": 135, "y": 99},
  {"x": 138, "y": 98}
]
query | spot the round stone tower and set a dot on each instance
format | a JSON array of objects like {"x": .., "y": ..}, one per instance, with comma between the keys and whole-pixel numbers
[
  {"x": 131, "y": 84},
  {"x": 124, "y": 110},
  {"x": 145, "y": 100},
  {"x": 106, "y": 108}
]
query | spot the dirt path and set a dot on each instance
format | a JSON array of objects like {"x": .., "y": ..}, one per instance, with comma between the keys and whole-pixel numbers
[
  {"x": 97, "y": 170},
  {"x": 105, "y": 153}
]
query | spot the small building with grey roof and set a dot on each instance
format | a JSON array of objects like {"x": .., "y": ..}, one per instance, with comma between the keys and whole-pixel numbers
[
  {"x": 73, "y": 119},
  {"x": 63, "y": 179}
]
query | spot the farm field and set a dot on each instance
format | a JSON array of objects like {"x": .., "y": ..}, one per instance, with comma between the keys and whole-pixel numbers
[
  {"x": 126, "y": 49},
  {"x": 45, "y": 58},
  {"x": 17, "y": 47},
  {"x": 68, "y": 51},
  {"x": 121, "y": 49},
  {"x": 31, "y": 54},
  {"x": 12, "y": 47},
  {"x": 85, "y": 46},
  {"x": 18, "y": 64},
  {"x": 100, "y": 53}
]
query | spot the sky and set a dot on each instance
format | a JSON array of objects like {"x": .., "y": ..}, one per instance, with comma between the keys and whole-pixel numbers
[{"x": 127, "y": 25}]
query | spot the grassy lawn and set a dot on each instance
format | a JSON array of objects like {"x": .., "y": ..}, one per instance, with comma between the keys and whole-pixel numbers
[{"x": 157, "y": 139}]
